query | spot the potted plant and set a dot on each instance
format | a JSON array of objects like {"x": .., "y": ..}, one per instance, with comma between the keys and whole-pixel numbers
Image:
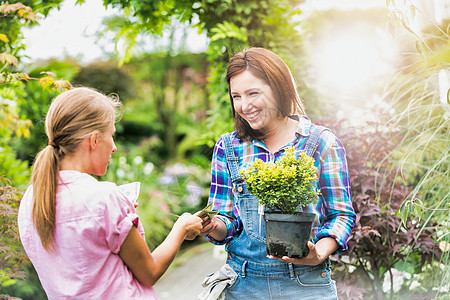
[{"x": 283, "y": 188}]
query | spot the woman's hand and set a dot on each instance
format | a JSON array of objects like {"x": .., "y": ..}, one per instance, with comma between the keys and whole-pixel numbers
[
  {"x": 148, "y": 266},
  {"x": 317, "y": 253},
  {"x": 214, "y": 227},
  {"x": 208, "y": 225},
  {"x": 191, "y": 224}
]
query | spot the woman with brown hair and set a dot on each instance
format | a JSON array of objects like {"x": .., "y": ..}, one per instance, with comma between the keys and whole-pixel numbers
[
  {"x": 269, "y": 117},
  {"x": 82, "y": 235}
]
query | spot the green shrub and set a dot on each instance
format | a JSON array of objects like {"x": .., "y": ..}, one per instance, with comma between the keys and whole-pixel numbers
[
  {"x": 107, "y": 78},
  {"x": 12, "y": 256},
  {"x": 285, "y": 184}
]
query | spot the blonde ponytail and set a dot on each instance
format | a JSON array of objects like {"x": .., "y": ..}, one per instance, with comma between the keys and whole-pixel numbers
[
  {"x": 72, "y": 116},
  {"x": 45, "y": 180}
]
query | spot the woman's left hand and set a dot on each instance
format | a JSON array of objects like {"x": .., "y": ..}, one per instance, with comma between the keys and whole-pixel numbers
[{"x": 317, "y": 253}]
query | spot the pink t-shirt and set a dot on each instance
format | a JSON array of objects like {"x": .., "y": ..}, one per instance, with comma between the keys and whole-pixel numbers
[{"x": 92, "y": 220}]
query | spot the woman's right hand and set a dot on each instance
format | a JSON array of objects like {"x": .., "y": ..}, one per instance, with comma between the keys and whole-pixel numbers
[
  {"x": 192, "y": 225},
  {"x": 209, "y": 224}
]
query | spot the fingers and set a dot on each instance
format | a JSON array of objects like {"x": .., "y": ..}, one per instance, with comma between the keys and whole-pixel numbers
[
  {"x": 274, "y": 257},
  {"x": 195, "y": 225},
  {"x": 311, "y": 259},
  {"x": 209, "y": 228},
  {"x": 206, "y": 221},
  {"x": 192, "y": 225},
  {"x": 209, "y": 225},
  {"x": 296, "y": 261},
  {"x": 190, "y": 218}
]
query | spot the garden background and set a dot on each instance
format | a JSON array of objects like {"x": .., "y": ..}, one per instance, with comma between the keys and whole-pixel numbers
[{"x": 377, "y": 75}]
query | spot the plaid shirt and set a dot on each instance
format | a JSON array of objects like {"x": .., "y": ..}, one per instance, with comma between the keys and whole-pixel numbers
[{"x": 334, "y": 212}]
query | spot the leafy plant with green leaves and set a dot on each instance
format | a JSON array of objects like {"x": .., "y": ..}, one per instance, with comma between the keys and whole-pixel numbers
[
  {"x": 33, "y": 105},
  {"x": 12, "y": 255},
  {"x": 285, "y": 185},
  {"x": 172, "y": 91},
  {"x": 13, "y": 125}
]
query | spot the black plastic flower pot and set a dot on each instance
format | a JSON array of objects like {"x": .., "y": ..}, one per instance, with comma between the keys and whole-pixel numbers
[{"x": 288, "y": 235}]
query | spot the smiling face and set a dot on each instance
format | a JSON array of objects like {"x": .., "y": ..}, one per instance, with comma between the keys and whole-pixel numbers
[
  {"x": 105, "y": 147},
  {"x": 259, "y": 67},
  {"x": 254, "y": 101}
]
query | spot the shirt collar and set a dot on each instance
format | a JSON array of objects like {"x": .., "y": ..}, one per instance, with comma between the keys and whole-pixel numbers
[{"x": 304, "y": 124}]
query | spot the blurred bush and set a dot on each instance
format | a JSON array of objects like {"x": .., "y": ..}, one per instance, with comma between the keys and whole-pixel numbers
[{"x": 106, "y": 77}]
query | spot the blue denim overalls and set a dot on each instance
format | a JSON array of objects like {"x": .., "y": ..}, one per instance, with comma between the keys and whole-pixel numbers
[{"x": 260, "y": 277}]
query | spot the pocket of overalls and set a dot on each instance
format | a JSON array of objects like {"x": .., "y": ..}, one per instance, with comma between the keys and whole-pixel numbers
[
  {"x": 253, "y": 222},
  {"x": 316, "y": 277}
]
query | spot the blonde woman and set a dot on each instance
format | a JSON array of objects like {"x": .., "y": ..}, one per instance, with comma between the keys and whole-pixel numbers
[{"x": 82, "y": 235}]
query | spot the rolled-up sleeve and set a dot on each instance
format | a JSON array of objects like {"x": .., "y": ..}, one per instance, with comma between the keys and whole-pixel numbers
[
  {"x": 119, "y": 217},
  {"x": 221, "y": 195},
  {"x": 335, "y": 202}
]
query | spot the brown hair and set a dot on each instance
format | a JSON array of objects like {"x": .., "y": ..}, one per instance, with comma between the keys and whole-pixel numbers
[
  {"x": 270, "y": 68},
  {"x": 72, "y": 116}
]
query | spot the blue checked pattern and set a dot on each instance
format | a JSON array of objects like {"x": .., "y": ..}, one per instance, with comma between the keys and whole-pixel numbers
[{"x": 334, "y": 212}]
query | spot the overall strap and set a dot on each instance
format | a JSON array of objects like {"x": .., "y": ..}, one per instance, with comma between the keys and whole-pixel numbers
[
  {"x": 232, "y": 160},
  {"x": 313, "y": 141}
]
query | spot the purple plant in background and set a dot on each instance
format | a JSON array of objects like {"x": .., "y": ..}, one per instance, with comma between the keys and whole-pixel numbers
[{"x": 379, "y": 241}]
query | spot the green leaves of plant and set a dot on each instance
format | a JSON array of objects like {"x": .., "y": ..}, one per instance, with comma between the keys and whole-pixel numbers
[
  {"x": 411, "y": 207},
  {"x": 285, "y": 184},
  {"x": 6, "y": 58},
  {"x": 228, "y": 30}
]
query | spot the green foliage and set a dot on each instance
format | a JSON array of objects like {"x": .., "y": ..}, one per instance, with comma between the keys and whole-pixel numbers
[
  {"x": 33, "y": 106},
  {"x": 14, "y": 126},
  {"x": 171, "y": 90},
  {"x": 29, "y": 288},
  {"x": 12, "y": 255},
  {"x": 65, "y": 69},
  {"x": 425, "y": 145},
  {"x": 15, "y": 16},
  {"x": 419, "y": 93},
  {"x": 10, "y": 29},
  {"x": 230, "y": 25},
  {"x": 423, "y": 156},
  {"x": 107, "y": 78},
  {"x": 284, "y": 185},
  {"x": 16, "y": 171}
]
